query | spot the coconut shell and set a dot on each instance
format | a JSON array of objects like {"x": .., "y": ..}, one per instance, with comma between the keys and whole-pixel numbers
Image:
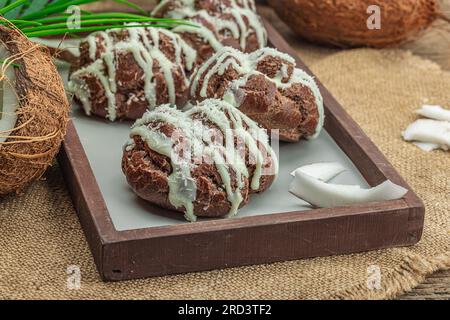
[
  {"x": 42, "y": 114},
  {"x": 343, "y": 23}
]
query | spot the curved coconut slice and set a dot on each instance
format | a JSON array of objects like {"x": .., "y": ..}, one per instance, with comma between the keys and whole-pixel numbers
[
  {"x": 430, "y": 131},
  {"x": 328, "y": 195},
  {"x": 434, "y": 112},
  {"x": 324, "y": 171},
  {"x": 8, "y": 97}
]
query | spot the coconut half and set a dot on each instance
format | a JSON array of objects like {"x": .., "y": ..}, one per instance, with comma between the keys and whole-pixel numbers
[
  {"x": 328, "y": 195},
  {"x": 354, "y": 23},
  {"x": 434, "y": 112},
  {"x": 37, "y": 117},
  {"x": 324, "y": 171},
  {"x": 429, "y": 131}
]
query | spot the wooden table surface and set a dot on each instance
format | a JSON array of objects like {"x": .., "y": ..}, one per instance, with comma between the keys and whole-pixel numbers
[
  {"x": 436, "y": 286},
  {"x": 434, "y": 45}
]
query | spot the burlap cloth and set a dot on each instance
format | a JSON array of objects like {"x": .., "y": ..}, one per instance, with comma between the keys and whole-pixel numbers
[{"x": 40, "y": 235}]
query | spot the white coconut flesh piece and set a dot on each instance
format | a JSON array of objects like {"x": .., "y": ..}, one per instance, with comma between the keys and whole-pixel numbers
[
  {"x": 327, "y": 195},
  {"x": 8, "y": 97},
  {"x": 427, "y": 146},
  {"x": 324, "y": 171},
  {"x": 434, "y": 112},
  {"x": 429, "y": 131}
]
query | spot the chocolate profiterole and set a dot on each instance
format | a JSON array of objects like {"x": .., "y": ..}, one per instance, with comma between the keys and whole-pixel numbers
[
  {"x": 121, "y": 73},
  {"x": 266, "y": 86},
  {"x": 182, "y": 161},
  {"x": 181, "y": 8},
  {"x": 217, "y": 23}
]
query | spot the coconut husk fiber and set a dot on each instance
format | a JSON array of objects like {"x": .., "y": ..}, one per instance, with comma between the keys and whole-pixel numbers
[
  {"x": 41, "y": 116},
  {"x": 41, "y": 236}
]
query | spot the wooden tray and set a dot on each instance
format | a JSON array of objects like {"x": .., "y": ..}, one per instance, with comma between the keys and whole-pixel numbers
[{"x": 206, "y": 245}]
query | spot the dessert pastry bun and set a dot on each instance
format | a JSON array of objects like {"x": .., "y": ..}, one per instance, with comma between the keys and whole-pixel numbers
[
  {"x": 183, "y": 8},
  {"x": 121, "y": 73},
  {"x": 204, "y": 162},
  {"x": 266, "y": 86},
  {"x": 217, "y": 23}
]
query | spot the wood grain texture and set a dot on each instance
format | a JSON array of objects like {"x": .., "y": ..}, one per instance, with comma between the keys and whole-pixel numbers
[{"x": 435, "y": 287}]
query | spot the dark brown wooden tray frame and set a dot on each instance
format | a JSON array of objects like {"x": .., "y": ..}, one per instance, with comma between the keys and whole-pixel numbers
[{"x": 157, "y": 251}]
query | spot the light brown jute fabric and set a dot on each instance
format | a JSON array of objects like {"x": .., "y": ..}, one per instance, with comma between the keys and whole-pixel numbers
[{"x": 40, "y": 235}]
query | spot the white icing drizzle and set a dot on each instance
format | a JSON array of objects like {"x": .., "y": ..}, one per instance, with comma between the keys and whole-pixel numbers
[
  {"x": 233, "y": 124},
  {"x": 245, "y": 65},
  {"x": 186, "y": 8},
  {"x": 99, "y": 37},
  {"x": 254, "y": 24},
  {"x": 204, "y": 33},
  {"x": 227, "y": 118},
  {"x": 237, "y": 27},
  {"x": 144, "y": 44},
  {"x": 78, "y": 86},
  {"x": 247, "y": 4}
]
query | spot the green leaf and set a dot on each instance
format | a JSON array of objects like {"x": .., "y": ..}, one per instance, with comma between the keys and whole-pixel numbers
[
  {"x": 133, "y": 6},
  {"x": 49, "y": 17},
  {"x": 3, "y": 3},
  {"x": 35, "y": 6},
  {"x": 113, "y": 15},
  {"x": 52, "y": 32},
  {"x": 11, "y": 7},
  {"x": 58, "y": 2},
  {"x": 20, "y": 23},
  {"x": 82, "y": 23},
  {"x": 14, "y": 13},
  {"x": 55, "y": 8}
]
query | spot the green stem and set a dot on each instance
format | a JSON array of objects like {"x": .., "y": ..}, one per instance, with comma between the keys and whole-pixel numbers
[
  {"x": 12, "y": 6},
  {"x": 53, "y": 32},
  {"x": 63, "y": 17},
  {"x": 85, "y": 22},
  {"x": 18, "y": 22}
]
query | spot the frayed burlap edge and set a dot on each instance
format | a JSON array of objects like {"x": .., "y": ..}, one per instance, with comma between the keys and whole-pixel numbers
[{"x": 410, "y": 273}]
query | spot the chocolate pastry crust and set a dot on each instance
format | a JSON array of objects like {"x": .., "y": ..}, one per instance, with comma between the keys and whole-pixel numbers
[
  {"x": 122, "y": 73},
  {"x": 205, "y": 183},
  {"x": 266, "y": 86},
  {"x": 220, "y": 23},
  {"x": 172, "y": 7}
]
